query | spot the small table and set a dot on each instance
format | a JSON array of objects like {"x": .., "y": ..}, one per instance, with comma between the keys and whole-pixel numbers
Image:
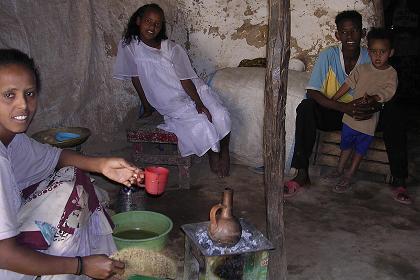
[
  {"x": 48, "y": 137},
  {"x": 247, "y": 260}
]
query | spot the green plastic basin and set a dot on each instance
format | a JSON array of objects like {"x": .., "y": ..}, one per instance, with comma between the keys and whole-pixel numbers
[{"x": 144, "y": 220}]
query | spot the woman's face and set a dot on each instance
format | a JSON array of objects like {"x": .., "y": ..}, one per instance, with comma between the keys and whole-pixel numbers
[
  {"x": 18, "y": 100},
  {"x": 150, "y": 25}
]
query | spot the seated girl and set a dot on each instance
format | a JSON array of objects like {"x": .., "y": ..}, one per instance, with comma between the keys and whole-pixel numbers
[
  {"x": 164, "y": 79},
  {"x": 51, "y": 223}
]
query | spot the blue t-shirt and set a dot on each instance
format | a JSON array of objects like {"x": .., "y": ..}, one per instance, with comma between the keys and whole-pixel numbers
[{"x": 329, "y": 73}]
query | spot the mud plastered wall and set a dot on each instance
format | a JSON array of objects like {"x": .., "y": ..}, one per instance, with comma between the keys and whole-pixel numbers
[
  {"x": 74, "y": 44},
  {"x": 222, "y": 33}
]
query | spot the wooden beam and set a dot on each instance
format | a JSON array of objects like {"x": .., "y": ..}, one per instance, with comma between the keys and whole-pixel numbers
[
  {"x": 278, "y": 53},
  {"x": 378, "y": 7}
]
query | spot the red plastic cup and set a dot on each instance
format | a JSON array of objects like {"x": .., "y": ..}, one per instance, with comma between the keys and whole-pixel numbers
[{"x": 155, "y": 179}]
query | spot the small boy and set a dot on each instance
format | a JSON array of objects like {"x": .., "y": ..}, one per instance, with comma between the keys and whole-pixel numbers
[{"x": 377, "y": 80}]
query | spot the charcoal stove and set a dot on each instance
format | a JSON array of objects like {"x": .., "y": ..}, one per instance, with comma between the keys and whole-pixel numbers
[{"x": 206, "y": 260}]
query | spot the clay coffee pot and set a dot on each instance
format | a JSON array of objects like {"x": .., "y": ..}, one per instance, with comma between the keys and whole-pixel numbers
[{"x": 224, "y": 229}]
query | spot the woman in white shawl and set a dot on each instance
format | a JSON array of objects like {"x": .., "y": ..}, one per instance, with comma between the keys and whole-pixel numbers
[{"x": 163, "y": 77}]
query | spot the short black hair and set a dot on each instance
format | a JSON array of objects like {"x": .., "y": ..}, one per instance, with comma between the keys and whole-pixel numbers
[
  {"x": 380, "y": 34},
  {"x": 352, "y": 15},
  {"x": 14, "y": 56},
  {"x": 132, "y": 31}
]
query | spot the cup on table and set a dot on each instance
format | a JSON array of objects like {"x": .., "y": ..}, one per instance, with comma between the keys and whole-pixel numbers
[{"x": 155, "y": 179}]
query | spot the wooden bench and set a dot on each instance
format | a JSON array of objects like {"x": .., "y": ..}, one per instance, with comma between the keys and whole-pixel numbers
[
  {"x": 146, "y": 131},
  {"x": 327, "y": 152}
]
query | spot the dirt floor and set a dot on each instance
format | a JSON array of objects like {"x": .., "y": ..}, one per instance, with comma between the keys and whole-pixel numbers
[{"x": 364, "y": 234}]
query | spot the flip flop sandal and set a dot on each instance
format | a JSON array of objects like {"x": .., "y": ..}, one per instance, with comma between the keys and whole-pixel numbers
[
  {"x": 400, "y": 195},
  {"x": 343, "y": 186},
  {"x": 293, "y": 188}
]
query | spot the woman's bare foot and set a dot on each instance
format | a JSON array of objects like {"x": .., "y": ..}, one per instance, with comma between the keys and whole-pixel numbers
[
  {"x": 224, "y": 165},
  {"x": 214, "y": 162}
]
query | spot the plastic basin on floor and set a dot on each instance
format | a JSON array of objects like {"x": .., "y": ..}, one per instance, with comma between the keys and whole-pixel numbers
[{"x": 148, "y": 221}]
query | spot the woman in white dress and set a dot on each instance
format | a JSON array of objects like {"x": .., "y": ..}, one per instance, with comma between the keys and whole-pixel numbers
[
  {"x": 162, "y": 75},
  {"x": 52, "y": 224}
]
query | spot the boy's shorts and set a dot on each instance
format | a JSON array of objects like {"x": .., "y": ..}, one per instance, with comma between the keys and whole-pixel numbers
[{"x": 352, "y": 139}]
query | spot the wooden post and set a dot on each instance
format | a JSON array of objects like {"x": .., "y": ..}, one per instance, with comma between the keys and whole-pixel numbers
[
  {"x": 278, "y": 53},
  {"x": 379, "y": 13}
]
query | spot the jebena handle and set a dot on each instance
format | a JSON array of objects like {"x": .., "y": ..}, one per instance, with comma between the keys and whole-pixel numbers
[{"x": 213, "y": 212}]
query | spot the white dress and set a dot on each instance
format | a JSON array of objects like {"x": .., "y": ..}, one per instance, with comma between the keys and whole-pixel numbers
[{"x": 160, "y": 72}]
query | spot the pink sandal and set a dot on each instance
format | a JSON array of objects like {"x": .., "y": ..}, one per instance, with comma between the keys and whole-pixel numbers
[
  {"x": 291, "y": 188},
  {"x": 400, "y": 195}
]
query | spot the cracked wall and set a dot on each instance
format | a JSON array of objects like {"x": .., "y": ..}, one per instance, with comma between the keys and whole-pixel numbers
[
  {"x": 222, "y": 33},
  {"x": 313, "y": 25}
]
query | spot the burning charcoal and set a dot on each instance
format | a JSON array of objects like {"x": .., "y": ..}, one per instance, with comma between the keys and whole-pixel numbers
[{"x": 229, "y": 268}]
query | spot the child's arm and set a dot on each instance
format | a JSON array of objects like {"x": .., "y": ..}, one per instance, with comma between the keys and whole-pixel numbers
[
  {"x": 116, "y": 169},
  {"x": 385, "y": 93},
  {"x": 341, "y": 91},
  {"x": 146, "y": 105},
  {"x": 190, "y": 89},
  {"x": 386, "y": 90},
  {"x": 376, "y": 97}
]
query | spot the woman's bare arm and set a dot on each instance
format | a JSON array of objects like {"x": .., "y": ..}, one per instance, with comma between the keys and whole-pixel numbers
[
  {"x": 148, "y": 109},
  {"x": 191, "y": 90},
  {"x": 21, "y": 259},
  {"x": 116, "y": 169}
]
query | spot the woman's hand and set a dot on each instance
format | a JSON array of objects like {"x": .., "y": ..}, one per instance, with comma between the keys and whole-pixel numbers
[
  {"x": 101, "y": 267},
  {"x": 121, "y": 171},
  {"x": 191, "y": 90},
  {"x": 201, "y": 109},
  {"x": 139, "y": 177}
]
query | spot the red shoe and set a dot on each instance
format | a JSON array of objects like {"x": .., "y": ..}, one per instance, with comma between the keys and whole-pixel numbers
[
  {"x": 400, "y": 195},
  {"x": 292, "y": 188}
]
